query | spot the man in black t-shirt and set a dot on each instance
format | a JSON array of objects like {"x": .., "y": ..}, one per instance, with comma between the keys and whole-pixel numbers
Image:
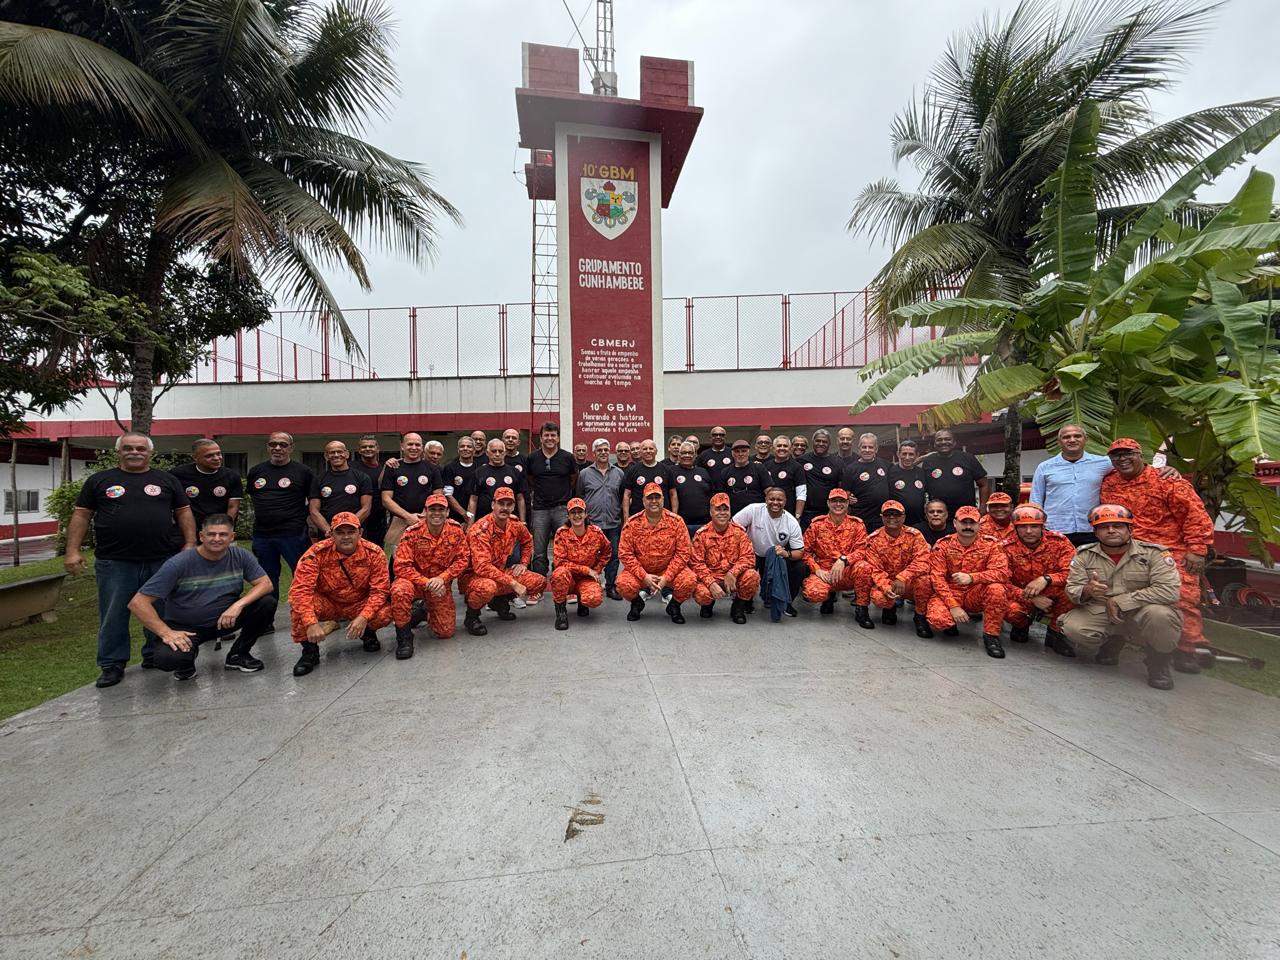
[
  {"x": 642, "y": 472},
  {"x": 459, "y": 475},
  {"x": 551, "y": 474},
  {"x": 694, "y": 486},
  {"x": 744, "y": 479},
  {"x": 279, "y": 488},
  {"x": 907, "y": 481},
  {"x": 718, "y": 456},
  {"x": 514, "y": 458},
  {"x": 937, "y": 522},
  {"x": 494, "y": 474},
  {"x": 846, "y": 445},
  {"x": 764, "y": 448},
  {"x": 405, "y": 488},
  {"x": 867, "y": 480},
  {"x": 210, "y": 486},
  {"x": 339, "y": 489},
  {"x": 822, "y": 473},
  {"x": 369, "y": 462},
  {"x": 134, "y": 510},
  {"x": 787, "y": 473},
  {"x": 951, "y": 474}
]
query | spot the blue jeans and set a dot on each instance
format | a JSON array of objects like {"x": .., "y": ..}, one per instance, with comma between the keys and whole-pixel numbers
[
  {"x": 611, "y": 568},
  {"x": 271, "y": 550},
  {"x": 545, "y": 523},
  {"x": 118, "y": 581}
]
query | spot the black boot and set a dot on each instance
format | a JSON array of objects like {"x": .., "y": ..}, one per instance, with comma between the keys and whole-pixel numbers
[
  {"x": 863, "y": 617},
  {"x": 750, "y": 606},
  {"x": 404, "y": 642},
  {"x": 1158, "y": 670},
  {"x": 637, "y": 605},
  {"x": 241, "y": 658},
  {"x": 309, "y": 660},
  {"x": 952, "y": 631},
  {"x": 1020, "y": 634},
  {"x": 828, "y": 607},
  {"x": 673, "y": 611},
  {"x": 1055, "y": 641},
  {"x": 923, "y": 630},
  {"x": 738, "y": 611},
  {"x": 1185, "y": 661},
  {"x": 889, "y": 616},
  {"x": 583, "y": 609},
  {"x": 562, "y": 616},
  {"x": 502, "y": 607},
  {"x": 706, "y": 611},
  {"x": 371, "y": 642},
  {"x": 993, "y": 645},
  {"x": 418, "y": 614},
  {"x": 1109, "y": 653},
  {"x": 472, "y": 622}
]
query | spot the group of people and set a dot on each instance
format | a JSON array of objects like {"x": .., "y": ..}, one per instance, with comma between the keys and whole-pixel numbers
[{"x": 1109, "y": 549}]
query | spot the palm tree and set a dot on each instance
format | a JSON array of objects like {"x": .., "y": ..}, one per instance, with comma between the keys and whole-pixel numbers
[
  {"x": 993, "y": 123},
  {"x": 242, "y": 121}
]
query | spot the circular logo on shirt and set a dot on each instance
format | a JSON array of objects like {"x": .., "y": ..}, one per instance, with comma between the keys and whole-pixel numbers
[
  {"x": 326, "y": 491},
  {"x": 864, "y": 476},
  {"x": 520, "y": 467},
  {"x": 658, "y": 480},
  {"x": 919, "y": 484},
  {"x": 219, "y": 491},
  {"x": 457, "y": 480},
  {"x": 808, "y": 467},
  {"x": 746, "y": 479},
  {"x": 935, "y": 473},
  {"x": 880, "y": 471},
  {"x": 192, "y": 491},
  {"x": 350, "y": 488},
  {"x": 259, "y": 483},
  {"x": 698, "y": 477},
  {"x": 114, "y": 492},
  {"x": 782, "y": 474},
  {"x": 422, "y": 479},
  {"x": 402, "y": 481},
  {"x": 957, "y": 471},
  {"x": 508, "y": 480},
  {"x": 725, "y": 461},
  {"x": 284, "y": 482},
  {"x": 489, "y": 481},
  {"x": 151, "y": 490},
  {"x": 826, "y": 470},
  {"x": 680, "y": 479},
  {"x": 730, "y": 482},
  {"x": 899, "y": 484}
]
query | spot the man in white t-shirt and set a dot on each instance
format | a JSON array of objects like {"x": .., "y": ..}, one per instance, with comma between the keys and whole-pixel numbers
[{"x": 773, "y": 530}]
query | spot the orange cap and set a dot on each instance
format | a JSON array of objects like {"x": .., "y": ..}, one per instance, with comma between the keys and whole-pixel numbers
[
  {"x": 577, "y": 503},
  {"x": 999, "y": 497},
  {"x": 1124, "y": 443},
  {"x": 503, "y": 493},
  {"x": 344, "y": 519},
  {"x": 1027, "y": 514},
  {"x": 892, "y": 505},
  {"x": 720, "y": 500},
  {"x": 968, "y": 513},
  {"x": 1110, "y": 513},
  {"x": 438, "y": 500},
  {"x": 651, "y": 488},
  {"x": 838, "y": 493}
]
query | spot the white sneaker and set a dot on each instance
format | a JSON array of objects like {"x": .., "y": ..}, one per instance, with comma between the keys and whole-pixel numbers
[{"x": 519, "y": 603}]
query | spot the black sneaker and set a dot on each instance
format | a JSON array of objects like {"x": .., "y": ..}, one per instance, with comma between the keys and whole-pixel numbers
[
  {"x": 862, "y": 617},
  {"x": 148, "y": 664},
  {"x": 790, "y": 611},
  {"x": 370, "y": 641},
  {"x": 244, "y": 662},
  {"x": 637, "y": 605},
  {"x": 186, "y": 673},
  {"x": 109, "y": 677},
  {"x": 1185, "y": 661}
]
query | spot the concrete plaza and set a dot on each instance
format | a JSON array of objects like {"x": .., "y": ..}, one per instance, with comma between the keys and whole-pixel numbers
[{"x": 803, "y": 790}]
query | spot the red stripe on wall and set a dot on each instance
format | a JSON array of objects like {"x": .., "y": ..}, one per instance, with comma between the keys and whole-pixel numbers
[{"x": 41, "y": 528}]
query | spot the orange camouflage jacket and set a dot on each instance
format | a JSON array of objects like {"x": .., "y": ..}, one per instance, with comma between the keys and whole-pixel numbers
[
  {"x": 1052, "y": 557},
  {"x": 987, "y": 527},
  {"x": 716, "y": 554},
  {"x": 359, "y": 578},
  {"x": 984, "y": 560},
  {"x": 1165, "y": 512},
  {"x": 581, "y": 555},
  {"x": 903, "y": 557},
  {"x": 662, "y": 550},
  {"x": 824, "y": 542},
  {"x": 421, "y": 556},
  {"x": 491, "y": 547}
]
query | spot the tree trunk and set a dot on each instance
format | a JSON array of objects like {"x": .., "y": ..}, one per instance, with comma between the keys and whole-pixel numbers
[
  {"x": 13, "y": 485},
  {"x": 142, "y": 367},
  {"x": 1012, "y": 452}
]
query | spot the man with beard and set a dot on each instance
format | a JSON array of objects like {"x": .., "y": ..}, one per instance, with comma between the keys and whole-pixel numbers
[
  {"x": 724, "y": 563},
  {"x": 640, "y": 474},
  {"x": 907, "y": 482},
  {"x": 867, "y": 480},
  {"x": 369, "y": 462},
  {"x": 845, "y": 446},
  {"x": 459, "y": 475},
  {"x": 895, "y": 566},
  {"x": 339, "y": 489},
  {"x": 654, "y": 551},
  {"x": 1039, "y": 561},
  {"x": 951, "y": 474},
  {"x": 833, "y": 550},
  {"x": 211, "y": 487},
  {"x": 744, "y": 480},
  {"x": 937, "y": 522},
  {"x": 968, "y": 574},
  {"x": 786, "y": 473},
  {"x": 821, "y": 475},
  {"x": 693, "y": 488}
]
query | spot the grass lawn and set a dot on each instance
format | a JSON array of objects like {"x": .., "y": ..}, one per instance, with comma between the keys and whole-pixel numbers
[{"x": 1249, "y": 643}]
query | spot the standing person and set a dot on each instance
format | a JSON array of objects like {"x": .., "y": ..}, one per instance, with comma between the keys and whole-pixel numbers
[
  {"x": 821, "y": 475},
  {"x": 640, "y": 474},
  {"x": 490, "y": 476},
  {"x": 369, "y": 462},
  {"x": 210, "y": 487},
  {"x": 694, "y": 486},
  {"x": 833, "y": 550},
  {"x": 786, "y": 473},
  {"x": 341, "y": 577},
  {"x": 672, "y": 459},
  {"x": 867, "y": 480},
  {"x": 907, "y": 482},
  {"x": 622, "y": 455},
  {"x": 775, "y": 532},
  {"x": 552, "y": 474},
  {"x": 600, "y": 487},
  {"x": 430, "y": 557},
  {"x": 581, "y": 458},
  {"x": 494, "y": 578},
  {"x": 654, "y": 550},
  {"x": 200, "y": 593},
  {"x": 339, "y": 489},
  {"x": 434, "y": 454},
  {"x": 1039, "y": 561},
  {"x": 279, "y": 487},
  {"x": 480, "y": 442},
  {"x": 846, "y": 447},
  {"x": 799, "y": 445},
  {"x": 459, "y": 477},
  {"x": 895, "y": 567},
  {"x": 580, "y": 553},
  {"x": 1168, "y": 513},
  {"x": 134, "y": 510},
  {"x": 724, "y": 563},
  {"x": 1067, "y": 485},
  {"x": 764, "y": 448},
  {"x": 514, "y": 458},
  {"x": 998, "y": 521},
  {"x": 406, "y": 486},
  {"x": 951, "y": 474},
  {"x": 744, "y": 480},
  {"x": 937, "y": 522},
  {"x": 718, "y": 456},
  {"x": 968, "y": 573}
]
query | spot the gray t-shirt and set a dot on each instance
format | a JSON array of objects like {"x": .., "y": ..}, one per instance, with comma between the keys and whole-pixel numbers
[{"x": 195, "y": 591}]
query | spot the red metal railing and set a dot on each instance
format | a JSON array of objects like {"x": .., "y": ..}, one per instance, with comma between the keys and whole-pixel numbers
[{"x": 739, "y": 332}]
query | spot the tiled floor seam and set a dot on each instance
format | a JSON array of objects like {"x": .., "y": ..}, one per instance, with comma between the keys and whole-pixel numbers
[{"x": 1227, "y": 826}]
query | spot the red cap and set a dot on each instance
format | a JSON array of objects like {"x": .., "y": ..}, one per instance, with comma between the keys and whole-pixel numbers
[
  {"x": 720, "y": 500},
  {"x": 1124, "y": 443},
  {"x": 651, "y": 488},
  {"x": 999, "y": 497},
  {"x": 892, "y": 505},
  {"x": 503, "y": 493},
  {"x": 344, "y": 519},
  {"x": 838, "y": 493},
  {"x": 968, "y": 513},
  {"x": 437, "y": 500},
  {"x": 577, "y": 503}
]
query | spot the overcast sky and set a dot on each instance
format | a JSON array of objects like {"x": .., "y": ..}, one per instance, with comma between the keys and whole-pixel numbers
[{"x": 798, "y": 98}]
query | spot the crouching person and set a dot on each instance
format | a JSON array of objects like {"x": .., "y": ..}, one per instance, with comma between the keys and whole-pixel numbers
[
  {"x": 724, "y": 563},
  {"x": 493, "y": 579},
  {"x": 654, "y": 552},
  {"x": 895, "y": 566},
  {"x": 430, "y": 556},
  {"x": 579, "y": 554},
  {"x": 1127, "y": 590},
  {"x": 1039, "y": 561},
  {"x": 833, "y": 550},
  {"x": 201, "y": 590},
  {"x": 341, "y": 577}
]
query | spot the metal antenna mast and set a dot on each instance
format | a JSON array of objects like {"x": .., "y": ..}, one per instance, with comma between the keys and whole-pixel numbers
[{"x": 604, "y": 78}]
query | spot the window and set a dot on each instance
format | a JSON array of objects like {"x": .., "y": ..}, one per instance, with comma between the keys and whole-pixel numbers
[{"x": 28, "y": 501}]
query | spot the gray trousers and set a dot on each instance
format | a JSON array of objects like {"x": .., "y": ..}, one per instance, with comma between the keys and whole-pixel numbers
[
  {"x": 1156, "y": 626},
  {"x": 543, "y": 526}
]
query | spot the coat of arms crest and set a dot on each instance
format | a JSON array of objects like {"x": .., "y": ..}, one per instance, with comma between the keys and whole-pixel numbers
[{"x": 609, "y": 205}]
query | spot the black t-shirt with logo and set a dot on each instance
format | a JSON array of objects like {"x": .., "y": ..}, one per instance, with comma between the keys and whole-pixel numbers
[
  {"x": 717, "y": 461},
  {"x": 209, "y": 493},
  {"x": 376, "y": 514},
  {"x": 518, "y": 462},
  {"x": 951, "y": 478},
  {"x": 411, "y": 483},
  {"x": 908, "y": 486},
  {"x": 489, "y": 478},
  {"x": 788, "y": 475},
  {"x": 340, "y": 491},
  {"x": 133, "y": 513},
  {"x": 694, "y": 485},
  {"x": 551, "y": 478},
  {"x": 933, "y": 536},
  {"x": 638, "y": 476},
  {"x": 461, "y": 478},
  {"x": 745, "y": 485},
  {"x": 821, "y": 476},
  {"x": 279, "y": 497},
  {"x": 868, "y": 482}
]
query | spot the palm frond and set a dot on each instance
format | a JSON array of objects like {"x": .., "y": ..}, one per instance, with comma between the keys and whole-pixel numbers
[
  {"x": 344, "y": 67},
  {"x": 208, "y": 205}
]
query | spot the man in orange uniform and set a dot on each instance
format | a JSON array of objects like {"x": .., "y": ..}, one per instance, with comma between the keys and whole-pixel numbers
[
  {"x": 895, "y": 566},
  {"x": 341, "y": 577},
  {"x": 430, "y": 556},
  {"x": 1168, "y": 513},
  {"x": 833, "y": 549},
  {"x": 579, "y": 554},
  {"x": 724, "y": 562},
  {"x": 492, "y": 540},
  {"x": 998, "y": 522},
  {"x": 968, "y": 572},
  {"x": 1039, "y": 561},
  {"x": 654, "y": 550}
]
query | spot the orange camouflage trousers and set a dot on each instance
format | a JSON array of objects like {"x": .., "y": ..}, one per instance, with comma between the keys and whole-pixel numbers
[
  {"x": 1189, "y": 605},
  {"x": 1020, "y": 610},
  {"x": 480, "y": 590},
  {"x": 919, "y": 590},
  {"x": 326, "y": 609},
  {"x": 989, "y": 599},
  {"x": 442, "y": 613},
  {"x": 748, "y": 587},
  {"x": 564, "y": 582},
  {"x": 815, "y": 591},
  {"x": 682, "y": 588}
]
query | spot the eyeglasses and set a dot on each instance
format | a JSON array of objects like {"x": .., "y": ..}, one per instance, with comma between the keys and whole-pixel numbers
[{"x": 277, "y": 444}]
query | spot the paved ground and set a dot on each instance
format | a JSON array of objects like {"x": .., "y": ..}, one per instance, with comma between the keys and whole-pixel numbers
[{"x": 804, "y": 790}]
